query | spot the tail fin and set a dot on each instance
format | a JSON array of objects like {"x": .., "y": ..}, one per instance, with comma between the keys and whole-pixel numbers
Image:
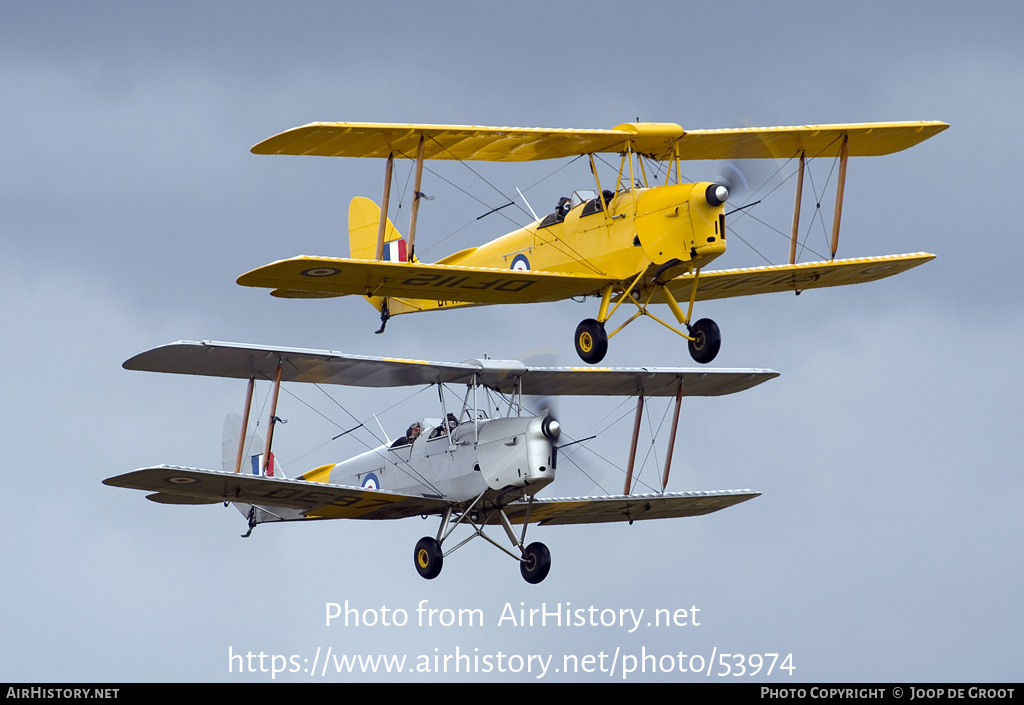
[
  {"x": 252, "y": 451},
  {"x": 363, "y": 226}
]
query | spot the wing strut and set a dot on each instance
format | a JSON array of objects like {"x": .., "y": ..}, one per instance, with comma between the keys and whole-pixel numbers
[
  {"x": 245, "y": 423},
  {"x": 273, "y": 417},
  {"x": 636, "y": 436},
  {"x": 416, "y": 195},
  {"x": 671, "y": 439},
  {"x": 672, "y": 436},
  {"x": 844, "y": 153},
  {"x": 600, "y": 193},
  {"x": 796, "y": 210},
  {"x": 382, "y": 228}
]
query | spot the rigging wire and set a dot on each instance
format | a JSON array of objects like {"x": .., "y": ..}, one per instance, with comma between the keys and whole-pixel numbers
[
  {"x": 817, "y": 217},
  {"x": 402, "y": 464}
]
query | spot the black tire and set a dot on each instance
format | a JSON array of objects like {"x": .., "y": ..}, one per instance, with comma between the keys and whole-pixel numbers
[
  {"x": 428, "y": 557},
  {"x": 536, "y": 563},
  {"x": 591, "y": 341},
  {"x": 706, "y": 341}
]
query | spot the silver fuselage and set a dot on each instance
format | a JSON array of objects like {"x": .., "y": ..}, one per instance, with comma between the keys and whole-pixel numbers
[{"x": 493, "y": 454}]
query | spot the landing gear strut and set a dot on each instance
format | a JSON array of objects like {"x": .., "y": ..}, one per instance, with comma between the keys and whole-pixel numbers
[
  {"x": 704, "y": 337},
  {"x": 534, "y": 560}
]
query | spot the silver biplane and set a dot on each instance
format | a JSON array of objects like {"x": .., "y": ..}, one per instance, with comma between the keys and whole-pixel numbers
[{"x": 465, "y": 466}]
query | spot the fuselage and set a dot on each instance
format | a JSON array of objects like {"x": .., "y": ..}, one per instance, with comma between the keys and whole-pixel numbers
[
  {"x": 459, "y": 462},
  {"x": 662, "y": 231}
]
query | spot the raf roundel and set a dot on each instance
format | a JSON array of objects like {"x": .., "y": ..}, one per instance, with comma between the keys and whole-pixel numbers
[
  {"x": 370, "y": 482},
  {"x": 520, "y": 264},
  {"x": 321, "y": 272}
]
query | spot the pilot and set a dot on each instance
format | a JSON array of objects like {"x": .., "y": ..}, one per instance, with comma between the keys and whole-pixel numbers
[
  {"x": 452, "y": 421},
  {"x": 563, "y": 207},
  {"x": 414, "y": 431}
]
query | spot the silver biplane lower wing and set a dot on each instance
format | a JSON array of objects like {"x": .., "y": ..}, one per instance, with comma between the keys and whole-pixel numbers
[
  {"x": 605, "y": 509},
  {"x": 240, "y": 361},
  {"x": 316, "y": 500},
  {"x": 309, "y": 500}
]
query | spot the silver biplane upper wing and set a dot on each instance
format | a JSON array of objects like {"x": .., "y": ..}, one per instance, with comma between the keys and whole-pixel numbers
[{"x": 216, "y": 359}]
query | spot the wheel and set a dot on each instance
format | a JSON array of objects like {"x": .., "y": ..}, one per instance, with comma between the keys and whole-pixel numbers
[
  {"x": 591, "y": 341},
  {"x": 536, "y": 563},
  {"x": 428, "y": 557},
  {"x": 706, "y": 341}
]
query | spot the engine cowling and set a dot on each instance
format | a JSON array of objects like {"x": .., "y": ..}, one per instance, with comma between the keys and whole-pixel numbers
[
  {"x": 682, "y": 222},
  {"x": 518, "y": 452}
]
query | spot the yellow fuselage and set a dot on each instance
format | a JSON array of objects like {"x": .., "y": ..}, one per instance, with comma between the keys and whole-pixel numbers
[{"x": 645, "y": 230}]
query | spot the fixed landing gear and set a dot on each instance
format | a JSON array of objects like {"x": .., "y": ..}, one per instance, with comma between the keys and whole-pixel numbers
[
  {"x": 534, "y": 560},
  {"x": 536, "y": 563},
  {"x": 704, "y": 337},
  {"x": 429, "y": 558},
  {"x": 591, "y": 341}
]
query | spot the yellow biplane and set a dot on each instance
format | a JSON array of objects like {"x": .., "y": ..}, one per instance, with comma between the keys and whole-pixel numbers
[{"x": 631, "y": 241}]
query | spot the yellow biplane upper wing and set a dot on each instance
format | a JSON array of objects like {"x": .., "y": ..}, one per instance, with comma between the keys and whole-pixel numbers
[
  {"x": 659, "y": 140},
  {"x": 749, "y": 281},
  {"x": 313, "y": 500},
  {"x": 300, "y": 277},
  {"x": 599, "y": 510}
]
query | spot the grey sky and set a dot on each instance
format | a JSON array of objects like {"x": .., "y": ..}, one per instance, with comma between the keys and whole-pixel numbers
[{"x": 886, "y": 544}]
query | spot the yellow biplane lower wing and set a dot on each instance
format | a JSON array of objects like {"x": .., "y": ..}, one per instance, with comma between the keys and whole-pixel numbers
[
  {"x": 749, "y": 281},
  {"x": 443, "y": 285},
  {"x": 310, "y": 277}
]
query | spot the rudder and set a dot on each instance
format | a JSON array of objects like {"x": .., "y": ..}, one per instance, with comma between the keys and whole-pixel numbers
[
  {"x": 252, "y": 451},
  {"x": 363, "y": 226}
]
